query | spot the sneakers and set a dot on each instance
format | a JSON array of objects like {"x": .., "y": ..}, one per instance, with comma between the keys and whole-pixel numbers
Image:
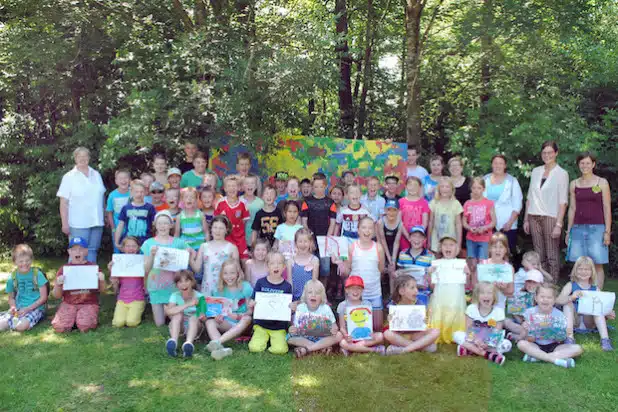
[
  {"x": 606, "y": 345},
  {"x": 565, "y": 363},
  {"x": 171, "y": 347},
  {"x": 495, "y": 357},
  {"x": 569, "y": 341},
  {"x": 344, "y": 352},
  {"x": 187, "y": 349},
  {"x": 528, "y": 358},
  {"x": 461, "y": 351},
  {"x": 219, "y": 354},
  {"x": 214, "y": 345},
  {"x": 504, "y": 346},
  {"x": 380, "y": 349},
  {"x": 394, "y": 350}
]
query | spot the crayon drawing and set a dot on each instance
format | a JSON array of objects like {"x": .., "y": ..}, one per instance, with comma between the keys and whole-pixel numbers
[
  {"x": 547, "y": 326},
  {"x": 492, "y": 337},
  {"x": 518, "y": 303},
  {"x": 359, "y": 321},
  {"x": 272, "y": 306},
  {"x": 218, "y": 306},
  {"x": 309, "y": 324},
  {"x": 596, "y": 303},
  {"x": 407, "y": 318}
]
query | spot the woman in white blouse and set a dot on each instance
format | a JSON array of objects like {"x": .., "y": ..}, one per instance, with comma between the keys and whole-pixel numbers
[
  {"x": 81, "y": 196},
  {"x": 546, "y": 206}
]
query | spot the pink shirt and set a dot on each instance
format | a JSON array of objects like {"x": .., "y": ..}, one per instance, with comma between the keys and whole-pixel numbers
[
  {"x": 131, "y": 289},
  {"x": 477, "y": 213},
  {"x": 412, "y": 211}
]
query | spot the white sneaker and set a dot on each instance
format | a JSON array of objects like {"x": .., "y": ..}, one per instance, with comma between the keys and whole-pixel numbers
[
  {"x": 213, "y": 345},
  {"x": 504, "y": 346},
  {"x": 221, "y": 353}
]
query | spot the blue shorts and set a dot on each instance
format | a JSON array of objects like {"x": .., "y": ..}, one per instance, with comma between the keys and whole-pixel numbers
[
  {"x": 477, "y": 250},
  {"x": 34, "y": 317},
  {"x": 376, "y": 303},
  {"x": 587, "y": 240},
  {"x": 324, "y": 267}
]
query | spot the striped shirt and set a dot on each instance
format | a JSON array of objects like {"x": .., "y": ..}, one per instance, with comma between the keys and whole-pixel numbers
[{"x": 191, "y": 229}]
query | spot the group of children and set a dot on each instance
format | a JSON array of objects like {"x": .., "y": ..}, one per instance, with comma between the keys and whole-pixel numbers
[{"x": 240, "y": 244}]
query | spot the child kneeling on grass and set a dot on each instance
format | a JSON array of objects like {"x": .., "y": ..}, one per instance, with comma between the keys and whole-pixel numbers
[
  {"x": 181, "y": 310},
  {"x": 270, "y": 330},
  {"x": 354, "y": 287},
  {"x": 550, "y": 351},
  {"x": 130, "y": 290},
  {"x": 79, "y": 307},
  {"x": 313, "y": 302},
  {"x": 483, "y": 312},
  {"x": 406, "y": 293},
  {"x": 27, "y": 288},
  {"x": 224, "y": 328}
]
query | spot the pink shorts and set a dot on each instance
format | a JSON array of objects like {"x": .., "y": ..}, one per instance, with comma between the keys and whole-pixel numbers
[{"x": 85, "y": 317}]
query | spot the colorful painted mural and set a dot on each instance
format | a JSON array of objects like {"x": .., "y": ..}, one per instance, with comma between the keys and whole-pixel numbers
[{"x": 303, "y": 156}]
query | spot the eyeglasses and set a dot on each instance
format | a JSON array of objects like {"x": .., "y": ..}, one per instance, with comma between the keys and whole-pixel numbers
[{"x": 157, "y": 192}]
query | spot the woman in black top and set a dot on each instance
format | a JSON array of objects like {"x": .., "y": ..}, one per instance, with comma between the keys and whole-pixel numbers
[{"x": 461, "y": 182}]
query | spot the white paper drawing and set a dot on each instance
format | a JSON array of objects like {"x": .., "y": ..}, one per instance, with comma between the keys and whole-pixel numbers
[
  {"x": 417, "y": 272},
  {"x": 494, "y": 273},
  {"x": 272, "y": 306},
  {"x": 336, "y": 246},
  {"x": 596, "y": 303},
  {"x": 128, "y": 266},
  {"x": 171, "y": 259},
  {"x": 406, "y": 318},
  {"x": 80, "y": 277},
  {"x": 449, "y": 271}
]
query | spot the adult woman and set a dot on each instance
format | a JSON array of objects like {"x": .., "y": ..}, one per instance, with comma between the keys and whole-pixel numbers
[
  {"x": 81, "y": 196},
  {"x": 193, "y": 178},
  {"x": 159, "y": 165},
  {"x": 430, "y": 182},
  {"x": 590, "y": 216},
  {"x": 504, "y": 190},
  {"x": 461, "y": 182},
  {"x": 546, "y": 206}
]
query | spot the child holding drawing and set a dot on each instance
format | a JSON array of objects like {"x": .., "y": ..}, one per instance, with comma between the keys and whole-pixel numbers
[
  {"x": 519, "y": 303},
  {"x": 79, "y": 307},
  {"x": 354, "y": 287},
  {"x": 304, "y": 265},
  {"x": 482, "y": 313},
  {"x": 583, "y": 278},
  {"x": 313, "y": 302},
  {"x": 499, "y": 255},
  {"x": 130, "y": 290},
  {"x": 181, "y": 309},
  {"x": 448, "y": 302},
  {"x": 367, "y": 261},
  {"x": 406, "y": 293},
  {"x": 225, "y": 327},
  {"x": 546, "y": 348},
  {"x": 160, "y": 282},
  {"x": 270, "y": 330}
]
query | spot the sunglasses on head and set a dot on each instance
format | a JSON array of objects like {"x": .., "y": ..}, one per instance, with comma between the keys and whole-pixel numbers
[{"x": 157, "y": 192}]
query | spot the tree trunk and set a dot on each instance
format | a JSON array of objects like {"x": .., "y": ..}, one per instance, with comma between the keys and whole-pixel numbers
[
  {"x": 486, "y": 56},
  {"x": 414, "y": 11},
  {"x": 200, "y": 12},
  {"x": 183, "y": 15},
  {"x": 367, "y": 72},
  {"x": 346, "y": 106},
  {"x": 220, "y": 11},
  {"x": 310, "y": 117}
]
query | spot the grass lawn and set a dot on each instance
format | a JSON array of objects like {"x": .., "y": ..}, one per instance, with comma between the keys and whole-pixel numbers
[{"x": 111, "y": 369}]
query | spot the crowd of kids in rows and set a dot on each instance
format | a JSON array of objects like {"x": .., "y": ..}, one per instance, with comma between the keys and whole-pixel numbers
[{"x": 240, "y": 244}]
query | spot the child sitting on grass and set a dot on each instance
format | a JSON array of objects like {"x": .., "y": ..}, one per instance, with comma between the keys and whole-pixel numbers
[
  {"x": 181, "y": 309},
  {"x": 547, "y": 350},
  {"x": 78, "y": 307},
  {"x": 225, "y": 327},
  {"x": 270, "y": 330},
  {"x": 533, "y": 279},
  {"x": 130, "y": 290},
  {"x": 313, "y": 301},
  {"x": 27, "y": 288},
  {"x": 406, "y": 293}
]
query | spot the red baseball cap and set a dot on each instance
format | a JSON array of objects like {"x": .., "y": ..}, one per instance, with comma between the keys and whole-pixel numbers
[{"x": 355, "y": 281}]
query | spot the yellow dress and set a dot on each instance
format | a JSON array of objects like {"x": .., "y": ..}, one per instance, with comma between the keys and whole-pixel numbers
[{"x": 448, "y": 310}]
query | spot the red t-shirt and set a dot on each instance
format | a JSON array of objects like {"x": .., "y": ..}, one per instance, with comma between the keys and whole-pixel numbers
[
  {"x": 79, "y": 297},
  {"x": 238, "y": 216},
  {"x": 162, "y": 206},
  {"x": 477, "y": 213}
]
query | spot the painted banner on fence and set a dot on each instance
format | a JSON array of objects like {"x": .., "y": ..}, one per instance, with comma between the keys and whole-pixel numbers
[{"x": 302, "y": 156}]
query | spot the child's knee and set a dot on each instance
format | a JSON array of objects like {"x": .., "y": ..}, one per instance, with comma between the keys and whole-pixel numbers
[
  {"x": 4, "y": 325},
  {"x": 522, "y": 345},
  {"x": 459, "y": 337},
  {"x": 257, "y": 345},
  {"x": 388, "y": 335},
  {"x": 278, "y": 346},
  {"x": 378, "y": 337},
  {"x": 134, "y": 322},
  {"x": 22, "y": 326}
]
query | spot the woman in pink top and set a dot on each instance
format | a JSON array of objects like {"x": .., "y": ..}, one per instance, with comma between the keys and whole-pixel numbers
[{"x": 414, "y": 209}]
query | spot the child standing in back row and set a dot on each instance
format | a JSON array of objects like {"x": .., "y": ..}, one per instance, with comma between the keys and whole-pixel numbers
[
  {"x": 267, "y": 219},
  {"x": 445, "y": 218},
  {"x": 251, "y": 186},
  {"x": 414, "y": 209},
  {"x": 191, "y": 224},
  {"x": 236, "y": 212},
  {"x": 479, "y": 218},
  {"x": 116, "y": 200},
  {"x": 349, "y": 217},
  {"x": 136, "y": 217}
]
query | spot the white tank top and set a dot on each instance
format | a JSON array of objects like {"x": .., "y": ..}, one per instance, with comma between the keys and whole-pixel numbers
[{"x": 365, "y": 263}]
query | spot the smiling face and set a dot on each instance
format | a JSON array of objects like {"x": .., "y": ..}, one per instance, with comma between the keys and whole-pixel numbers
[
  {"x": 498, "y": 251},
  {"x": 412, "y": 157},
  {"x": 276, "y": 265},
  {"x": 24, "y": 263},
  {"x": 336, "y": 195},
  {"x": 545, "y": 298},
  {"x": 586, "y": 166},
  {"x": 190, "y": 200},
  {"x": 207, "y": 198},
  {"x": 313, "y": 297},
  {"x": 231, "y": 188},
  {"x": 319, "y": 188},
  {"x": 81, "y": 159},
  {"x": 436, "y": 167},
  {"x": 548, "y": 154},
  {"x": 250, "y": 185},
  {"x": 449, "y": 248},
  {"x": 199, "y": 165},
  {"x": 303, "y": 243},
  {"x": 269, "y": 196},
  {"x": 218, "y": 230},
  {"x": 486, "y": 297},
  {"x": 372, "y": 187},
  {"x": 391, "y": 213},
  {"x": 354, "y": 195},
  {"x": 78, "y": 254},
  {"x": 190, "y": 150},
  {"x": 391, "y": 185},
  {"x": 413, "y": 188},
  {"x": 409, "y": 291},
  {"x": 243, "y": 166},
  {"x": 122, "y": 181},
  {"x": 417, "y": 240},
  {"x": 157, "y": 196},
  {"x": 130, "y": 247},
  {"x": 259, "y": 252},
  {"x": 348, "y": 179},
  {"x": 455, "y": 168},
  {"x": 498, "y": 166},
  {"x": 365, "y": 229},
  {"x": 184, "y": 284},
  {"x": 477, "y": 190},
  {"x": 281, "y": 186},
  {"x": 171, "y": 196},
  {"x": 174, "y": 181},
  {"x": 531, "y": 286},
  {"x": 293, "y": 188},
  {"x": 445, "y": 189},
  {"x": 138, "y": 192},
  {"x": 584, "y": 273},
  {"x": 230, "y": 275},
  {"x": 305, "y": 189},
  {"x": 159, "y": 165},
  {"x": 354, "y": 293},
  {"x": 163, "y": 225}
]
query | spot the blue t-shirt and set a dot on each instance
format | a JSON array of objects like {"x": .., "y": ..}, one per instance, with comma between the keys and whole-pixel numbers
[
  {"x": 115, "y": 202},
  {"x": 238, "y": 297},
  {"x": 495, "y": 191},
  {"x": 176, "y": 298},
  {"x": 137, "y": 220},
  {"x": 25, "y": 295},
  {"x": 263, "y": 285}
]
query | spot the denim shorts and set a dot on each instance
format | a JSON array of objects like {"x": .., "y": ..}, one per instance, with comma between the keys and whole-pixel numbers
[
  {"x": 376, "y": 303},
  {"x": 587, "y": 240},
  {"x": 477, "y": 250}
]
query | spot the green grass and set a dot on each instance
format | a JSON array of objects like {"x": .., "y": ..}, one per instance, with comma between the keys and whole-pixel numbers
[{"x": 118, "y": 370}]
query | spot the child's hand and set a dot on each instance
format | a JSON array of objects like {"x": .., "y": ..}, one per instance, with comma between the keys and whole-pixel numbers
[
  {"x": 60, "y": 280},
  {"x": 101, "y": 276},
  {"x": 293, "y": 330},
  {"x": 191, "y": 252},
  {"x": 431, "y": 270},
  {"x": 294, "y": 305},
  {"x": 193, "y": 302},
  {"x": 13, "y": 310},
  {"x": 251, "y": 304},
  {"x": 576, "y": 295},
  {"x": 611, "y": 315},
  {"x": 115, "y": 281},
  {"x": 219, "y": 319},
  {"x": 334, "y": 329},
  {"x": 480, "y": 344},
  {"x": 153, "y": 251},
  {"x": 202, "y": 317},
  {"x": 525, "y": 325},
  {"x": 22, "y": 312},
  {"x": 500, "y": 285},
  {"x": 110, "y": 264}
]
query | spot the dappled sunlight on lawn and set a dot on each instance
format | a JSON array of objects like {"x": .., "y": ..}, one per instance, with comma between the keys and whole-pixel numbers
[
  {"x": 47, "y": 335},
  {"x": 227, "y": 388},
  {"x": 307, "y": 381}
]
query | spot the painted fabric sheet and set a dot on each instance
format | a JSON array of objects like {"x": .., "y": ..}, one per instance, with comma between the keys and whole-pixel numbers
[{"x": 303, "y": 156}]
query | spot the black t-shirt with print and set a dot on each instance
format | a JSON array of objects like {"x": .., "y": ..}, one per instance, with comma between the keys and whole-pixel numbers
[{"x": 265, "y": 223}]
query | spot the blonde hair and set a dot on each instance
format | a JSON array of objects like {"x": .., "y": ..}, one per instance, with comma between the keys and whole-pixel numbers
[
  {"x": 258, "y": 183},
  {"x": 240, "y": 276},
  {"x": 534, "y": 259},
  {"x": 584, "y": 260},
  {"x": 456, "y": 159},
  {"x": 318, "y": 287},
  {"x": 353, "y": 186},
  {"x": 22, "y": 250},
  {"x": 547, "y": 286},
  {"x": 441, "y": 180},
  {"x": 477, "y": 180},
  {"x": 138, "y": 182},
  {"x": 274, "y": 255},
  {"x": 231, "y": 178},
  {"x": 500, "y": 237},
  {"x": 305, "y": 232},
  {"x": 479, "y": 287},
  {"x": 187, "y": 191},
  {"x": 208, "y": 174}
]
